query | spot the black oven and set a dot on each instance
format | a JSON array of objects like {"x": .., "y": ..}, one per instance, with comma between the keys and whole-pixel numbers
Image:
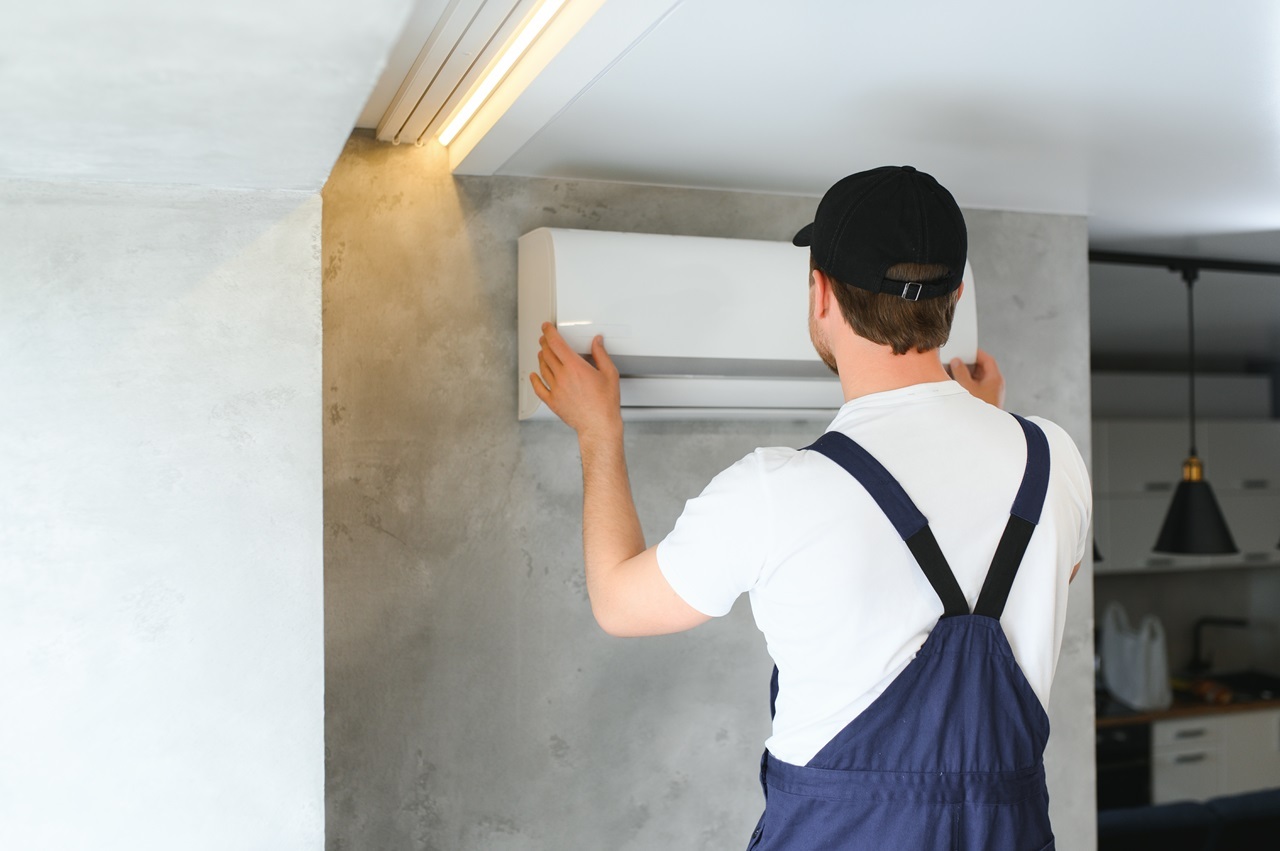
[{"x": 1124, "y": 765}]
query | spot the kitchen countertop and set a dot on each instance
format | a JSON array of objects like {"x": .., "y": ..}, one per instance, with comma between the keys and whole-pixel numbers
[{"x": 1112, "y": 714}]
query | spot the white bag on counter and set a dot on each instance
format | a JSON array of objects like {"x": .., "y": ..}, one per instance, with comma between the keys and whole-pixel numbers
[{"x": 1135, "y": 662}]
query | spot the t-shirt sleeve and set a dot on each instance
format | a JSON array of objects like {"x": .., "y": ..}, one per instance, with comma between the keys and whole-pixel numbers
[
  {"x": 1067, "y": 461},
  {"x": 718, "y": 547}
]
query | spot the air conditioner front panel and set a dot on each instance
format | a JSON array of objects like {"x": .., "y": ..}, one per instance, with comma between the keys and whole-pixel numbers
[
  {"x": 682, "y": 296},
  {"x": 691, "y": 322}
]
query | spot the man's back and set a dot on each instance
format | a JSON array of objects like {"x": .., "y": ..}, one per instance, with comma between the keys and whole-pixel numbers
[
  {"x": 894, "y": 728},
  {"x": 837, "y": 594}
]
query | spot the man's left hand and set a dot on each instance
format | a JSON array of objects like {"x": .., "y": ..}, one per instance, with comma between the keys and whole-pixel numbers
[
  {"x": 586, "y": 397},
  {"x": 982, "y": 380}
]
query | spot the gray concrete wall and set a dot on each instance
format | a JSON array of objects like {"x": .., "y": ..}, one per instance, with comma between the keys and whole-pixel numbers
[
  {"x": 161, "y": 671},
  {"x": 471, "y": 701}
]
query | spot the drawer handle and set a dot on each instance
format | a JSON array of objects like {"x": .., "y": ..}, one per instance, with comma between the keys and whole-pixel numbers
[
  {"x": 1256, "y": 484},
  {"x": 1158, "y": 487},
  {"x": 1189, "y": 734},
  {"x": 1257, "y": 557},
  {"x": 1184, "y": 759},
  {"x": 1159, "y": 561}
]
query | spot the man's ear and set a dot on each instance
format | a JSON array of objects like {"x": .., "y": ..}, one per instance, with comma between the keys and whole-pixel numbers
[
  {"x": 821, "y": 293},
  {"x": 960, "y": 291}
]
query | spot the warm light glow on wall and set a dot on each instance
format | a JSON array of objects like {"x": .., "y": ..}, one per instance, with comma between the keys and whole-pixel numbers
[{"x": 509, "y": 57}]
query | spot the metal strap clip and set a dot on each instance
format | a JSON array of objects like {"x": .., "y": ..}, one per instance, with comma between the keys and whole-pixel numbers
[{"x": 910, "y": 294}]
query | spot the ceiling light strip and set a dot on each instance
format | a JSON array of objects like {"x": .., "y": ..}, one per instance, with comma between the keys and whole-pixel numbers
[
  {"x": 509, "y": 57},
  {"x": 448, "y": 33}
]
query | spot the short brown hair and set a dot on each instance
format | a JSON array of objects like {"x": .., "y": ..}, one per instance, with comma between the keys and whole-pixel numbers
[{"x": 891, "y": 320}]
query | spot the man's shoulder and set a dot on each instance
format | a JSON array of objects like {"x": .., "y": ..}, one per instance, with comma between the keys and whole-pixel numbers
[{"x": 1057, "y": 436}]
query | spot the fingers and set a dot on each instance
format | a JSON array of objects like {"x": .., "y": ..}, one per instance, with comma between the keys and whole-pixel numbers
[
  {"x": 960, "y": 372},
  {"x": 540, "y": 389},
  {"x": 546, "y": 353},
  {"x": 562, "y": 350},
  {"x": 603, "y": 362},
  {"x": 547, "y": 372},
  {"x": 988, "y": 363}
]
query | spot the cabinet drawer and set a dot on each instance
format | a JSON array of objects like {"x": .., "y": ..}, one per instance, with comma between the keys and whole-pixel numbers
[
  {"x": 1194, "y": 774},
  {"x": 1181, "y": 735}
]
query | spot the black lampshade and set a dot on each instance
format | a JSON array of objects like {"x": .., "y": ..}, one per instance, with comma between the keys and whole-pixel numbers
[
  {"x": 1194, "y": 524},
  {"x": 1097, "y": 553}
]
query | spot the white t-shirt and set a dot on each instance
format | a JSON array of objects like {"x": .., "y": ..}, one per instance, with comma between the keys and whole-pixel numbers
[{"x": 841, "y": 601}]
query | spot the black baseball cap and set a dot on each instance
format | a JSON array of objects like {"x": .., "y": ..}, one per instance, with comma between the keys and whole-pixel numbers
[{"x": 872, "y": 220}]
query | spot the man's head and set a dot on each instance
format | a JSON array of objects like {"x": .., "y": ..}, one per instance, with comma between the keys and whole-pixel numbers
[{"x": 892, "y": 242}]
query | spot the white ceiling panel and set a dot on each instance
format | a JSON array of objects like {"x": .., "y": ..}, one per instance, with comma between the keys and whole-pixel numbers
[
  {"x": 1156, "y": 119},
  {"x": 233, "y": 93},
  {"x": 1159, "y": 121}
]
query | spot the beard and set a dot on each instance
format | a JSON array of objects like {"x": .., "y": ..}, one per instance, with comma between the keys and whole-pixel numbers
[{"x": 821, "y": 346}]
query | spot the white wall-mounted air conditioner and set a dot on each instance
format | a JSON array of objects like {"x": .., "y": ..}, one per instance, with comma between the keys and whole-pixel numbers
[{"x": 700, "y": 328}]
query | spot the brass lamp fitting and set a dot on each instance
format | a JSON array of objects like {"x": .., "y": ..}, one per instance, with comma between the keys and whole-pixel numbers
[{"x": 1192, "y": 470}]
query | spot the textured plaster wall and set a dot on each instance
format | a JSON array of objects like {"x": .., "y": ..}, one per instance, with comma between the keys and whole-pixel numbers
[
  {"x": 471, "y": 701},
  {"x": 161, "y": 672}
]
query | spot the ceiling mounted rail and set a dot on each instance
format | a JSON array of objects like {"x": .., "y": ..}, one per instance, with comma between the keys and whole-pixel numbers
[{"x": 1183, "y": 265}]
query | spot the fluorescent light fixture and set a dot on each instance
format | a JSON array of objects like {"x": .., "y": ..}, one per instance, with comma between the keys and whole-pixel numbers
[{"x": 509, "y": 57}]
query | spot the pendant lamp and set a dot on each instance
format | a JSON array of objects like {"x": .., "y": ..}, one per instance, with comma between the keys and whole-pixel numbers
[{"x": 1194, "y": 524}]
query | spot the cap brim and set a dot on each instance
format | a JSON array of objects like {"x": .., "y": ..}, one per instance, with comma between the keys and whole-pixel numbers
[{"x": 804, "y": 236}]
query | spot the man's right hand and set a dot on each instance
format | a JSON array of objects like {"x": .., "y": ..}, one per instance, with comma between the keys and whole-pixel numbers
[{"x": 983, "y": 379}]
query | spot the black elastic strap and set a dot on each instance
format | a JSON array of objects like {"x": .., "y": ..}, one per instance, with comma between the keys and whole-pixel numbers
[
  {"x": 934, "y": 564},
  {"x": 908, "y": 520},
  {"x": 878, "y": 482},
  {"x": 1004, "y": 567},
  {"x": 1023, "y": 518},
  {"x": 773, "y": 693}
]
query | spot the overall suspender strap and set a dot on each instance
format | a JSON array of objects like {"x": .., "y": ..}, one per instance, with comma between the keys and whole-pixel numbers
[
  {"x": 1023, "y": 518},
  {"x": 773, "y": 694},
  {"x": 910, "y": 523}
]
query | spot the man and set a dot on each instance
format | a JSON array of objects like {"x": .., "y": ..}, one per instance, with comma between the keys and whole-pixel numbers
[{"x": 909, "y": 570}]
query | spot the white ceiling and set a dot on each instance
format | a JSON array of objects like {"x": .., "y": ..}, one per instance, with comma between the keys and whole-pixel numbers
[
  {"x": 1158, "y": 120},
  {"x": 235, "y": 93}
]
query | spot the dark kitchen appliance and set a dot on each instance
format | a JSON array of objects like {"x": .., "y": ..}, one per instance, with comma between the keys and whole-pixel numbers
[{"x": 1124, "y": 765}]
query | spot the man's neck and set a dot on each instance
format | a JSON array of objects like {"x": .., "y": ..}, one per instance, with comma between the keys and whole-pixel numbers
[{"x": 867, "y": 368}]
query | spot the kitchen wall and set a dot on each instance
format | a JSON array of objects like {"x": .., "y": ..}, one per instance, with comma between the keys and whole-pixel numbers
[
  {"x": 160, "y": 518},
  {"x": 1180, "y": 599},
  {"x": 471, "y": 702}
]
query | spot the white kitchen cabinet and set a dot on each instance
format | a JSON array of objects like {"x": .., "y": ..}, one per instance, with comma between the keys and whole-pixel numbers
[
  {"x": 1207, "y": 756},
  {"x": 1254, "y": 520},
  {"x": 1245, "y": 456},
  {"x": 1132, "y": 523},
  {"x": 1144, "y": 456},
  {"x": 1138, "y": 463},
  {"x": 1191, "y": 775},
  {"x": 1251, "y": 752},
  {"x": 1101, "y": 473}
]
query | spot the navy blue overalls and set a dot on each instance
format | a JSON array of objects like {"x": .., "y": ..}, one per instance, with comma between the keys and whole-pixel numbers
[{"x": 949, "y": 756}]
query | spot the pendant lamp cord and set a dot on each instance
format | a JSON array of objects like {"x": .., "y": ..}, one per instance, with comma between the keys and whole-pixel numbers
[{"x": 1189, "y": 274}]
